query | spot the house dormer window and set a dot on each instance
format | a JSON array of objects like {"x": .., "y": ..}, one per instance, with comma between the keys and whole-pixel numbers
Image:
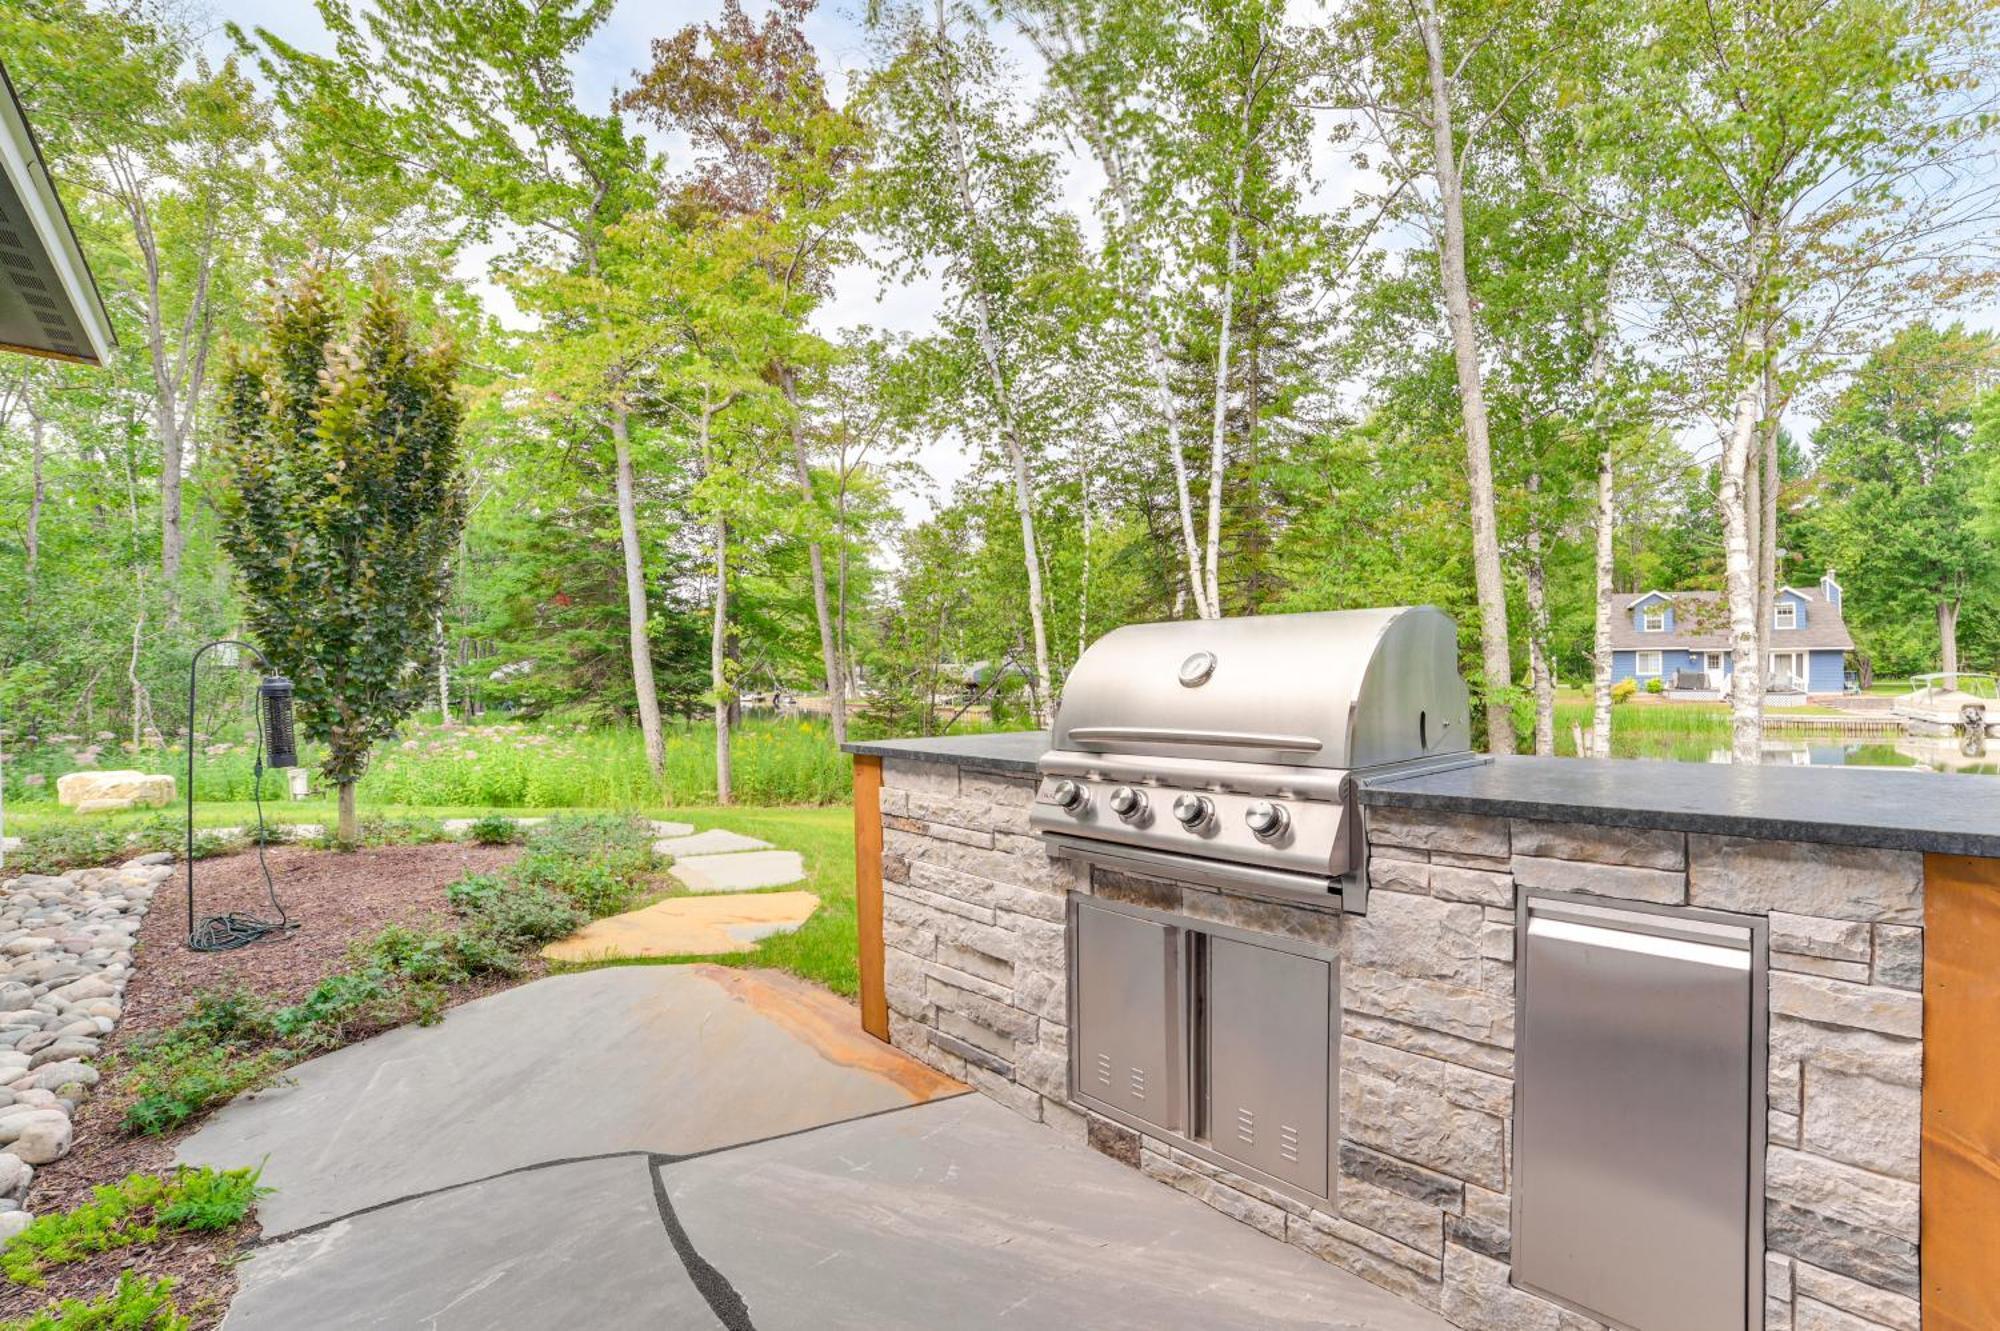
[
  {"x": 1655, "y": 619},
  {"x": 1786, "y": 615}
]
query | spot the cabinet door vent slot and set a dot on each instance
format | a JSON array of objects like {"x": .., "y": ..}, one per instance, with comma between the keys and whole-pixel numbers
[
  {"x": 1288, "y": 1142},
  {"x": 1104, "y": 1069},
  {"x": 1246, "y": 1127}
]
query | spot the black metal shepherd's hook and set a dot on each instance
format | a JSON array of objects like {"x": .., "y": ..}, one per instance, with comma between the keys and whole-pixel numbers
[{"x": 275, "y": 738}]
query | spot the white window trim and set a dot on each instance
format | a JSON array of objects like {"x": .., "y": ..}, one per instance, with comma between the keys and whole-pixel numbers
[
  {"x": 1639, "y": 665},
  {"x": 1646, "y": 624},
  {"x": 1785, "y": 615}
]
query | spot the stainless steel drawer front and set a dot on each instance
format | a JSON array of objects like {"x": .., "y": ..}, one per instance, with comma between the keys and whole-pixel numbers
[
  {"x": 1132, "y": 1055},
  {"x": 1638, "y": 1118},
  {"x": 1269, "y": 1045}
]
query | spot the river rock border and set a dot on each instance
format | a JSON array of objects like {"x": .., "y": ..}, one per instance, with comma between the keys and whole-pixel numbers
[{"x": 66, "y": 945}]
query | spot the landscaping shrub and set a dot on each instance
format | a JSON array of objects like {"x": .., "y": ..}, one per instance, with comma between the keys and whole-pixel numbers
[
  {"x": 130, "y": 1212},
  {"x": 378, "y": 831},
  {"x": 135, "y": 1305},
  {"x": 340, "y": 1006},
  {"x": 177, "y": 1076},
  {"x": 495, "y": 829},
  {"x": 68, "y": 846},
  {"x": 1656, "y": 685},
  {"x": 1623, "y": 690},
  {"x": 504, "y": 920}
]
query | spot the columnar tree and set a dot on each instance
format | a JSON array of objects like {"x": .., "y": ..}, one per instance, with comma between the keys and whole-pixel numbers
[{"x": 342, "y": 503}]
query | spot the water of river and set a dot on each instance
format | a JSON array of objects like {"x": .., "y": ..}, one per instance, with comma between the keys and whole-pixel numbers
[{"x": 1936, "y": 755}]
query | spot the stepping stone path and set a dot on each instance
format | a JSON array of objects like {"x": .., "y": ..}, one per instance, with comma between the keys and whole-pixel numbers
[{"x": 715, "y": 865}]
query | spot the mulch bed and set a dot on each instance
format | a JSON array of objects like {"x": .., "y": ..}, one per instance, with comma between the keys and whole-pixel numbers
[{"x": 337, "y": 899}]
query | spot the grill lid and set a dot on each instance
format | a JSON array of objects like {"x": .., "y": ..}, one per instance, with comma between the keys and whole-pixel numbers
[{"x": 1340, "y": 689}]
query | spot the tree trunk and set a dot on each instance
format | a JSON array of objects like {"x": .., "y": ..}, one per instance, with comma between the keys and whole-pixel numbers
[
  {"x": 1746, "y": 681},
  {"x": 37, "y": 494},
  {"x": 718, "y": 675},
  {"x": 443, "y": 673},
  {"x": 1083, "y": 581},
  {"x": 1217, "y": 454},
  {"x": 1947, "y": 622},
  {"x": 1102, "y": 140},
  {"x": 1492, "y": 588},
  {"x": 836, "y": 682},
  {"x": 637, "y": 631},
  {"x": 1767, "y": 523},
  {"x": 348, "y": 832},
  {"x": 1600, "y": 686},
  {"x": 1003, "y": 407},
  {"x": 1540, "y": 673}
]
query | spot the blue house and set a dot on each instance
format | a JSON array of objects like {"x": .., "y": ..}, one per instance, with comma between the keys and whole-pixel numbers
[{"x": 1682, "y": 640}]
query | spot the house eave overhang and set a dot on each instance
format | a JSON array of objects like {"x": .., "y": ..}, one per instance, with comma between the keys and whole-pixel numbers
[{"x": 49, "y": 302}]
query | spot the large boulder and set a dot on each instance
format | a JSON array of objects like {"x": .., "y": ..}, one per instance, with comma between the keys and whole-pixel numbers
[{"x": 97, "y": 792}]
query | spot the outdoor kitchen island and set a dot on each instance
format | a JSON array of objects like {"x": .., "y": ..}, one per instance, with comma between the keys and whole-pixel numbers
[{"x": 1672, "y": 1047}]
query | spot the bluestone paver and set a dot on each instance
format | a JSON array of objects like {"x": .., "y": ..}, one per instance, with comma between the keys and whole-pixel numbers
[
  {"x": 745, "y": 871},
  {"x": 657, "y": 1058},
  {"x": 687, "y": 927},
  {"x": 580, "y": 1245},
  {"x": 715, "y": 841},
  {"x": 960, "y": 1213}
]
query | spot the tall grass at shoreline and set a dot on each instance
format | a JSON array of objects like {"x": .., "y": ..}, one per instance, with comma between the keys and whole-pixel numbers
[{"x": 510, "y": 766}]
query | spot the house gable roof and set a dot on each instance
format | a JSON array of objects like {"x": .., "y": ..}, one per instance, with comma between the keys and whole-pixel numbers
[
  {"x": 1702, "y": 624},
  {"x": 49, "y": 302}
]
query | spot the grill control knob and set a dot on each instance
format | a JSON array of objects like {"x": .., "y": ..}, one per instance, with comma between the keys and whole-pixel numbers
[
  {"x": 1128, "y": 803},
  {"x": 1267, "y": 820},
  {"x": 1192, "y": 810},
  {"x": 1069, "y": 795}
]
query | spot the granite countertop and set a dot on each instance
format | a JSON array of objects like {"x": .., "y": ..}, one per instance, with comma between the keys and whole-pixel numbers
[
  {"x": 1852, "y": 806},
  {"x": 1007, "y": 751}
]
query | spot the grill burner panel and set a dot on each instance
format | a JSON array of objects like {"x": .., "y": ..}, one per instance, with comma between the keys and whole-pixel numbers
[{"x": 1228, "y": 751}]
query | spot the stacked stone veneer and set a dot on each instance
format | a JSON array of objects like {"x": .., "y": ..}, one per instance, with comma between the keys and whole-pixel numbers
[{"x": 976, "y": 977}]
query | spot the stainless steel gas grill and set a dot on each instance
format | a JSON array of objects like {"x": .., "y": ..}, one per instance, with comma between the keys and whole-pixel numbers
[{"x": 1227, "y": 752}]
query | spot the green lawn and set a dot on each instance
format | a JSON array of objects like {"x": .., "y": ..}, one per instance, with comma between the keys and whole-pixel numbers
[{"x": 823, "y": 950}]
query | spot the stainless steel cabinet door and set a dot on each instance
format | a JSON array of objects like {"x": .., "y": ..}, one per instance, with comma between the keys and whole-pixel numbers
[
  {"x": 1269, "y": 1057},
  {"x": 1634, "y": 1146},
  {"x": 1131, "y": 1054}
]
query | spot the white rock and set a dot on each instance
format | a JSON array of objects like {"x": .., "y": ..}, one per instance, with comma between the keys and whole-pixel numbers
[
  {"x": 44, "y": 1137},
  {"x": 15, "y": 1174},
  {"x": 78, "y": 788},
  {"x": 12, "y": 1223}
]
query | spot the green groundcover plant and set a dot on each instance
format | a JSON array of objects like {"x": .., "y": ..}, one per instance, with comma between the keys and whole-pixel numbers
[
  {"x": 135, "y": 1304},
  {"x": 572, "y": 870},
  {"x": 136, "y": 1210}
]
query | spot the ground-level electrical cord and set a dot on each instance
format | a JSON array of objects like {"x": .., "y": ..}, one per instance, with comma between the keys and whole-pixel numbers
[{"x": 220, "y": 933}]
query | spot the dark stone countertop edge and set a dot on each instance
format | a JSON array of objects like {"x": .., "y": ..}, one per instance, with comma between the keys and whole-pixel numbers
[
  {"x": 1003, "y": 751},
  {"x": 1940, "y": 813}
]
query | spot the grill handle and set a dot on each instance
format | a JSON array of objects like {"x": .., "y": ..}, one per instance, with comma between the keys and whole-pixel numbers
[{"x": 1230, "y": 739}]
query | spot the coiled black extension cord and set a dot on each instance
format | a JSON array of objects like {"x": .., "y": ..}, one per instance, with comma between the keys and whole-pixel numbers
[{"x": 223, "y": 933}]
